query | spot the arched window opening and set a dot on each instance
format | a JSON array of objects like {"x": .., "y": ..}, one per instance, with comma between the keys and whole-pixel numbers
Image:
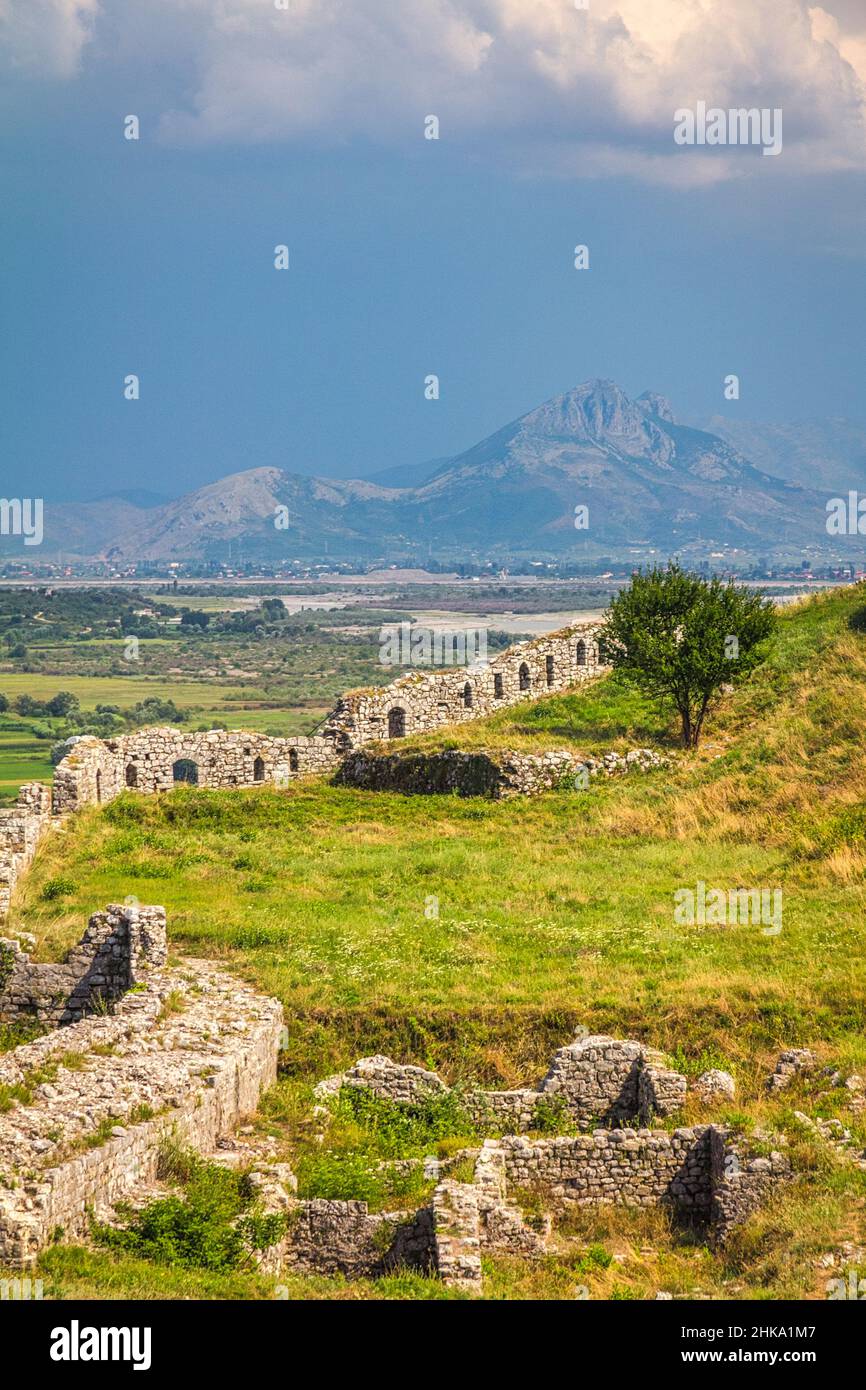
[
  {"x": 185, "y": 770},
  {"x": 131, "y": 775},
  {"x": 293, "y": 760},
  {"x": 549, "y": 670},
  {"x": 396, "y": 722},
  {"x": 581, "y": 653},
  {"x": 98, "y": 785},
  {"x": 498, "y": 687},
  {"x": 523, "y": 676},
  {"x": 259, "y": 770},
  {"x": 467, "y": 695}
]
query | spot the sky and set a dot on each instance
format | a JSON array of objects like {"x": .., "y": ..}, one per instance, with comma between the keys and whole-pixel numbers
[{"x": 304, "y": 126}]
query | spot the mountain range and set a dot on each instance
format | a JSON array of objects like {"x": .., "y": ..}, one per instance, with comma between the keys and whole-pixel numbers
[{"x": 647, "y": 482}]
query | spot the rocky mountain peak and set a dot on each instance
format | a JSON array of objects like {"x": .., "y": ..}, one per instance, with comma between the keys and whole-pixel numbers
[{"x": 599, "y": 412}]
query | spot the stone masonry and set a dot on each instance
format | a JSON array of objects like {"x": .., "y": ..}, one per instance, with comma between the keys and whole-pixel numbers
[
  {"x": 424, "y": 700},
  {"x": 21, "y": 829},
  {"x": 595, "y": 1079},
  {"x": 485, "y": 773},
  {"x": 155, "y": 759},
  {"x": 118, "y": 950},
  {"x": 182, "y": 1058}
]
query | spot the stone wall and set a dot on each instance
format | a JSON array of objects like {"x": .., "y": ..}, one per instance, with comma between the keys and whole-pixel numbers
[
  {"x": 595, "y": 1079},
  {"x": 486, "y": 773},
  {"x": 426, "y": 700},
  {"x": 155, "y": 759},
  {"x": 185, "y": 1058},
  {"x": 741, "y": 1181},
  {"x": 344, "y": 1237},
  {"x": 21, "y": 828},
  {"x": 629, "y": 1167},
  {"x": 118, "y": 950},
  {"x": 702, "y": 1174}
]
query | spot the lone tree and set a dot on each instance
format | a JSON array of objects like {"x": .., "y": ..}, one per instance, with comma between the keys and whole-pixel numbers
[{"x": 683, "y": 638}]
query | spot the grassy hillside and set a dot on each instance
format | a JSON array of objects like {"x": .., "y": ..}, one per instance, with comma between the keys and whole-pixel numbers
[{"x": 551, "y": 912}]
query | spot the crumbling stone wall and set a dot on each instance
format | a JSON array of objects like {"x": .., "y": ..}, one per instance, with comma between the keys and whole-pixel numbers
[
  {"x": 118, "y": 949},
  {"x": 486, "y": 773},
  {"x": 741, "y": 1181},
  {"x": 21, "y": 829},
  {"x": 703, "y": 1174},
  {"x": 631, "y": 1167},
  {"x": 344, "y": 1237},
  {"x": 143, "y": 1072},
  {"x": 426, "y": 700},
  {"x": 595, "y": 1079},
  {"x": 154, "y": 759}
]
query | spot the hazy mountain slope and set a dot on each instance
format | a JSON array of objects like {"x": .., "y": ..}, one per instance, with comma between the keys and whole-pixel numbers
[{"x": 825, "y": 454}]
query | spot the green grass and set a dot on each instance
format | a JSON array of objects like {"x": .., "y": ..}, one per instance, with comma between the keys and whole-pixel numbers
[{"x": 555, "y": 908}]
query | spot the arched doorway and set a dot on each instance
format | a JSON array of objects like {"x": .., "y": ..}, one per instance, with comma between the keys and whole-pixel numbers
[
  {"x": 185, "y": 770},
  {"x": 396, "y": 722},
  {"x": 523, "y": 676},
  {"x": 259, "y": 770},
  {"x": 131, "y": 775},
  {"x": 581, "y": 653}
]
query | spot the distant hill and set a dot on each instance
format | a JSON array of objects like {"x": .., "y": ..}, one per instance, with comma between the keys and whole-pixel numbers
[
  {"x": 648, "y": 482},
  {"x": 826, "y": 454}
]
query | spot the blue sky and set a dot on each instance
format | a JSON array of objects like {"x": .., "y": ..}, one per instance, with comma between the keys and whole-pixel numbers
[{"x": 408, "y": 256}]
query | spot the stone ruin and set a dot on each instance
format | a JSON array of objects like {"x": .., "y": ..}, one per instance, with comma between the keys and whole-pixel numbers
[
  {"x": 181, "y": 1054},
  {"x": 118, "y": 950},
  {"x": 21, "y": 829},
  {"x": 594, "y": 1080},
  {"x": 498, "y": 775},
  {"x": 141, "y": 1053},
  {"x": 156, "y": 759},
  {"x": 704, "y": 1173},
  {"x": 148, "y": 1054}
]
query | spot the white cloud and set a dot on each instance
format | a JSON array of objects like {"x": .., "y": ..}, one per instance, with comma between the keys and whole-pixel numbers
[
  {"x": 538, "y": 83},
  {"x": 45, "y": 37}
]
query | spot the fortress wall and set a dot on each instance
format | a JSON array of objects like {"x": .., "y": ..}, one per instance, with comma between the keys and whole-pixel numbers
[
  {"x": 425, "y": 700},
  {"x": 497, "y": 774},
  {"x": 97, "y": 770}
]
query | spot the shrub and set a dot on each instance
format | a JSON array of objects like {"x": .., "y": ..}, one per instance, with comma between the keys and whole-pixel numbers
[
  {"x": 214, "y": 1225},
  {"x": 58, "y": 887}
]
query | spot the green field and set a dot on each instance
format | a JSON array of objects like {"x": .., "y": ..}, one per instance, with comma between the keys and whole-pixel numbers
[{"x": 552, "y": 912}]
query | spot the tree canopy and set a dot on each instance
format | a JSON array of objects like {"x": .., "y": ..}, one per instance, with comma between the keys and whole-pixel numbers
[{"x": 683, "y": 637}]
